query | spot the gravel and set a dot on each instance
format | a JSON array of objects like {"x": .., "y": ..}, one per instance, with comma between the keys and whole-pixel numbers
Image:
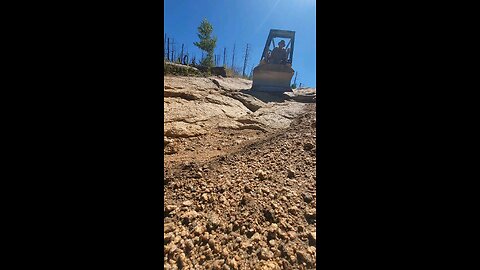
[{"x": 253, "y": 208}]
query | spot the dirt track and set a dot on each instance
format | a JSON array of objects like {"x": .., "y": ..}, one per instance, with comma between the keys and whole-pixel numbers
[{"x": 240, "y": 178}]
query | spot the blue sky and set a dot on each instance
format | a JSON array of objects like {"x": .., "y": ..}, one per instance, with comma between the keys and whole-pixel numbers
[{"x": 246, "y": 21}]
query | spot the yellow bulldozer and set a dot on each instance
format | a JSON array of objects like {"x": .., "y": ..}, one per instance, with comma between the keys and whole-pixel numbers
[{"x": 274, "y": 73}]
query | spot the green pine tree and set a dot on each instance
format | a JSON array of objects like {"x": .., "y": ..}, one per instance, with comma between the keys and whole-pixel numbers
[{"x": 207, "y": 43}]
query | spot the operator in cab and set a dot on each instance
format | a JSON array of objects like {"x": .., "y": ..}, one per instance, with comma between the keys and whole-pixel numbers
[{"x": 279, "y": 54}]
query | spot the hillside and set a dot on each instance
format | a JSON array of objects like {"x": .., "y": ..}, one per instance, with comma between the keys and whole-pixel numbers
[{"x": 240, "y": 176}]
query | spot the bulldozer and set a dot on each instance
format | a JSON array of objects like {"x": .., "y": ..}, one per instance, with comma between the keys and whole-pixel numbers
[{"x": 273, "y": 74}]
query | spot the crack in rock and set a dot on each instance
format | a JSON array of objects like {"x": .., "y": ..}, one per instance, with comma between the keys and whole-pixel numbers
[{"x": 183, "y": 95}]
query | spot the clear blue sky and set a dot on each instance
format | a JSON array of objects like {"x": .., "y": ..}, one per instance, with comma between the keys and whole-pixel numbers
[{"x": 246, "y": 21}]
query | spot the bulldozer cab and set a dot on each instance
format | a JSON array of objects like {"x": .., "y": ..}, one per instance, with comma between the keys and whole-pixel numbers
[
  {"x": 275, "y": 76},
  {"x": 274, "y": 38}
]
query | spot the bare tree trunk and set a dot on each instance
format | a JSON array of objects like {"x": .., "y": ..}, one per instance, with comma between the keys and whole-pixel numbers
[
  {"x": 245, "y": 62},
  {"x": 173, "y": 49},
  {"x": 233, "y": 57},
  {"x": 224, "y": 56},
  {"x": 181, "y": 54},
  {"x": 168, "y": 49}
]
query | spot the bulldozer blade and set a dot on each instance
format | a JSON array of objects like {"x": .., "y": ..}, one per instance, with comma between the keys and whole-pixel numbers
[{"x": 272, "y": 78}]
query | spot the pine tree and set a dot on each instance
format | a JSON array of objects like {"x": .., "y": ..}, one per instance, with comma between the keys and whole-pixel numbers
[{"x": 207, "y": 43}]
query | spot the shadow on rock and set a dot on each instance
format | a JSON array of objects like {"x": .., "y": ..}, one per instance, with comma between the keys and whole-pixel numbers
[{"x": 267, "y": 96}]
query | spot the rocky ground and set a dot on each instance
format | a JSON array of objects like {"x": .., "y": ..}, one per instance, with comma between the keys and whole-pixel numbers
[{"x": 240, "y": 177}]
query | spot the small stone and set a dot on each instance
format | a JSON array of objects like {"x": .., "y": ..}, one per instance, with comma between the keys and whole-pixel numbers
[
  {"x": 234, "y": 264},
  {"x": 211, "y": 243},
  {"x": 271, "y": 265},
  {"x": 292, "y": 258},
  {"x": 265, "y": 254},
  {"x": 198, "y": 174},
  {"x": 262, "y": 175},
  {"x": 168, "y": 227},
  {"x": 199, "y": 230},
  {"x": 170, "y": 208},
  {"x": 168, "y": 237},
  {"x": 269, "y": 215},
  {"x": 292, "y": 235},
  {"x": 222, "y": 199},
  {"x": 170, "y": 248},
  {"x": 304, "y": 257},
  {"x": 189, "y": 216},
  {"x": 189, "y": 244},
  {"x": 217, "y": 264},
  {"x": 250, "y": 232},
  {"x": 205, "y": 237},
  {"x": 310, "y": 216},
  {"x": 187, "y": 203},
  {"x": 307, "y": 197},
  {"x": 213, "y": 221},
  {"x": 181, "y": 261},
  {"x": 308, "y": 146},
  {"x": 246, "y": 200},
  {"x": 205, "y": 196},
  {"x": 282, "y": 234},
  {"x": 177, "y": 239},
  {"x": 290, "y": 173},
  {"x": 312, "y": 238},
  {"x": 245, "y": 244},
  {"x": 256, "y": 237},
  {"x": 293, "y": 210},
  {"x": 170, "y": 150},
  {"x": 272, "y": 242}
]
